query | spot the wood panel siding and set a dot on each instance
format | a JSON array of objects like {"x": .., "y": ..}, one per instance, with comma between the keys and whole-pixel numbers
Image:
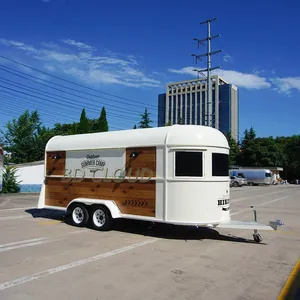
[
  {"x": 137, "y": 198},
  {"x": 146, "y": 159},
  {"x": 132, "y": 198},
  {"x": 56, "y": 166}
]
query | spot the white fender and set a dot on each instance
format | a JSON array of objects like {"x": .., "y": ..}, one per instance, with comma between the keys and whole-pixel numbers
[
  {"x": 110, "y": 204},
  {"x": 41, "y": 201}
]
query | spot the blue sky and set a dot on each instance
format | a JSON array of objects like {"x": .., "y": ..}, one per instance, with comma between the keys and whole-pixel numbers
[{"x": 132, "y": 49}]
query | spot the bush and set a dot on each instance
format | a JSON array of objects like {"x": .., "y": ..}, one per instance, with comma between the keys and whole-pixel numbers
[{"x": 10, "y": 183}]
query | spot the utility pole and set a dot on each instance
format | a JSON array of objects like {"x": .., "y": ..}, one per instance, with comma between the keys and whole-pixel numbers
[{"x": 209, "y": 68}]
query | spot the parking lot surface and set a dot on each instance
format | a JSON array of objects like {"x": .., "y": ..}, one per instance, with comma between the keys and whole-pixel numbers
[{"x": 44, "y": 257}]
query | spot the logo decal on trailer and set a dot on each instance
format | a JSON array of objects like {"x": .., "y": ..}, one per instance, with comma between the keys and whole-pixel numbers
[
  {"x": 223, "y": 202},
  {"x": 93, "y": 161}
]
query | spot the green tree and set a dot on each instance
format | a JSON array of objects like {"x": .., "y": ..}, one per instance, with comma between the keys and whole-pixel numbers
[
  {"x": 63, "y": 129},
  {"x": 102, "y": 121},
  {"x": 260, "y": 152},
  {"x": 234, "y": 149},
  {"x": 134, "y": 127},
  {"x": 43, "y": 136},
  {"x": 247, "y": 155},
  {"x": 267, "y": 152},
  {"x": 83, "y": 126},
  {"x": 145, "y": 120},
  {"x": 249, "y": 136},
  {"x": 168, "y": 123},
  {"x": 21, "y": 135},
  {"x": 291, "y": 158}
]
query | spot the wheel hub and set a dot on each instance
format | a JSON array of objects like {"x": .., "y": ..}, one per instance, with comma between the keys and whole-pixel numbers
[
  {"x": 99, "y": 217},
  {"x": 78, "y": 215}
]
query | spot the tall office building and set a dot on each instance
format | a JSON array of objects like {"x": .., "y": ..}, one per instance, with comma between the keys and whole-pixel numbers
[{"x": 185, "y": 102}]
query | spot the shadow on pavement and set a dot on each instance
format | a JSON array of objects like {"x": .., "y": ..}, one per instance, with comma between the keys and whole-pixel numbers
[
  {"x": 156, "y": 230},
  {"x": 46, "y": 214},
  {"x": 175, "y": 232}
]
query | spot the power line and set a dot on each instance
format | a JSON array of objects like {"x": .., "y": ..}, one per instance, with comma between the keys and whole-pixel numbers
[
  {"x": 81, "y": 97},
  {"x": 59, "y": 103},
  {"x": 56, "y": 113},
  {"x": 47, "y": 119},
  {"x": 20, "y": 110},
  {"x": 40, "y": 92},
  {"x": 77, "y": 84},
  {"x": 10, "y": 112}
]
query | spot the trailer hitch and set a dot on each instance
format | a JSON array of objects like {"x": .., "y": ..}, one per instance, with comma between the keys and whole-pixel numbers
[{"x": 274, "y": 224}]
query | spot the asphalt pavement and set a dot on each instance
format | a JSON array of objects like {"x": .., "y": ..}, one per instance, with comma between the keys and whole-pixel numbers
[{"x": 43, "y": 257}]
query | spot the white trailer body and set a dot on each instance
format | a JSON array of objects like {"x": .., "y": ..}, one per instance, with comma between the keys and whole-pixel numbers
[{"x": 175, "y": 174}]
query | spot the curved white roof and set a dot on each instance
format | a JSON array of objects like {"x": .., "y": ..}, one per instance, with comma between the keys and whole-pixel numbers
[{"x": 176, "y": 135}]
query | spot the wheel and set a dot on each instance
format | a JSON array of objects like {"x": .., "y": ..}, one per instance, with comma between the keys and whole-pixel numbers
[
  {"x": 236, "y": 184},
  {"x": 257, "y": 238},
  {"x": 79, "y": 215},
  {"x": 251, "y": 183},
  {"x": 101, "y": 218}
]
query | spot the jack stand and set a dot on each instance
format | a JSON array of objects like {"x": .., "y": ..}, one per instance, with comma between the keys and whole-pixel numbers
[{"x": 256, "y": 236}]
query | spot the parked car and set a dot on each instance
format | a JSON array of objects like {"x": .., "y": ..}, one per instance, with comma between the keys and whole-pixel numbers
[
  {"x": 238, "y": 181},
  {"x": 254, "y": 176}
]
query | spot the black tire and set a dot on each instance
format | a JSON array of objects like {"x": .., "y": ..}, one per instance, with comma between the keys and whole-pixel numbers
[
  {"x": 79, "y": 215},
  {"x": 101, "y": 218},
  {"x": 251, "y": 183},
  {"x": 257, "y": 238},
  {"x": 236, "y": 184}
]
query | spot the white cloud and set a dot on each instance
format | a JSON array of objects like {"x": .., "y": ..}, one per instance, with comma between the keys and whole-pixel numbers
[
  {"x": 79, "y": 45},
  {"x": 245, "y": 80},
  {"x": 57, "y": 56},
  {"x": 185, "y": 70},
  {"x": 287, "y": 84},
  {"x": 19, "y": 45},
  {"x": 227, "y": 58},
  {"x": 91, "y": 67},
  {"x": 257, "y": 71}
]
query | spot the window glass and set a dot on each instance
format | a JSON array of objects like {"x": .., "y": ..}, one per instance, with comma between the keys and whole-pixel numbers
[
  {"x": 220, "y": 164},
  {"x": 268, "y": 174},
  {"x": 188, "y": 164}
]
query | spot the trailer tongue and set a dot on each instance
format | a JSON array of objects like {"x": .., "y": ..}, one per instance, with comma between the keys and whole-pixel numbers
[{"x": 233, "y": 224}]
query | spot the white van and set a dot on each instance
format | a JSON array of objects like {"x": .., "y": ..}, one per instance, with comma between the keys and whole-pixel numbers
[{"x": 254, "y": 176}]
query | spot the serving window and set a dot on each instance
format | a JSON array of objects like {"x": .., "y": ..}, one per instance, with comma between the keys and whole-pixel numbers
[
  {"x": 188, "y": 164},
  {"x": 220, "y": 164}
]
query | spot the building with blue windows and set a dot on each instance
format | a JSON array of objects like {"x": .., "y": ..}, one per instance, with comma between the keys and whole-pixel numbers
[{"x": 185, "y": 102}]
